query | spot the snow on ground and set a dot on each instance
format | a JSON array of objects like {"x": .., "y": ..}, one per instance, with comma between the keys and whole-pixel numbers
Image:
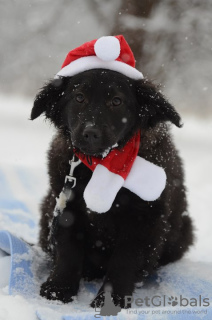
[
  {"x": 194, "y": 141},
  {"x": 23, "y": 146}
]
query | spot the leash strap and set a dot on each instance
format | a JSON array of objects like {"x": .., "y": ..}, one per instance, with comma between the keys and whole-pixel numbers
[
  {"x": 64, "y": 196},
  {"x": 70, "y": 183}
]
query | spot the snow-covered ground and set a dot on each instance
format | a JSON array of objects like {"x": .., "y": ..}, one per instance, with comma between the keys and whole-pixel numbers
[
  {"x": 194, "y": 141},
  {"x": 23, "y": 146}
]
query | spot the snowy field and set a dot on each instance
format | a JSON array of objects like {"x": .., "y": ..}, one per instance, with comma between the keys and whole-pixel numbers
[{"x": 23, "y": 146}]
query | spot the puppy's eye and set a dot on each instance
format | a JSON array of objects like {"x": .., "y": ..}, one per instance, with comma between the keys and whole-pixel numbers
[
  {"x": 80, "y": 97},
  {"x": 116, "y": 101}
]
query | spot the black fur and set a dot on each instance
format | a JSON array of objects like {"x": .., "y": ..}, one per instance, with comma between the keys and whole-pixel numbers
[{"x": 135, "y": 237}]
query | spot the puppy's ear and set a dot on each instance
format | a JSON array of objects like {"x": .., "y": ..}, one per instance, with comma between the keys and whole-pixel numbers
[
  {"x": 154, "y": 107},
  {"x": 47, "y": 98}
]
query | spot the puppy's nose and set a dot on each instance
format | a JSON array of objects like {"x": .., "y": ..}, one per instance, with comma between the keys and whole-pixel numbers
[{"x": 91, "y": 135}]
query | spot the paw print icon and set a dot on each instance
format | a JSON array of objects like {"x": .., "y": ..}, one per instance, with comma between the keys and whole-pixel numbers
[{"x": 173, "y": 301}]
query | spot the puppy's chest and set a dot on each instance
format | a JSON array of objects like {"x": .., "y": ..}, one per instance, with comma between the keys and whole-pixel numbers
[{"x": 101, "y": 231}]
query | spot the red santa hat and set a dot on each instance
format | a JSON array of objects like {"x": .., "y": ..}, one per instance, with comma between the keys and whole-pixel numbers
[
  {"x": 111, "y": 52},
  {"x": 120, "y": 168}
]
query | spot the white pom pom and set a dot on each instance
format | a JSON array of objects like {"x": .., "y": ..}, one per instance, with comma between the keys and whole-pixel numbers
[{"x": 107, "y": 48}]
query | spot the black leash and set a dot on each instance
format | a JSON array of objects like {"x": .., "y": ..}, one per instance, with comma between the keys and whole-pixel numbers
[{"x": 64, "y": 196}]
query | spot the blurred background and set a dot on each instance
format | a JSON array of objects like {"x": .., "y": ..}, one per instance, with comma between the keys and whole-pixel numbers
[
  {"x": 172, "y": 44},
  {"x": 171, "y": 41}
]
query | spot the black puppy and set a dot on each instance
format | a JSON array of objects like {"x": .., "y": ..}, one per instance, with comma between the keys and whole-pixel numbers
[{"x": 93, "y": 111}]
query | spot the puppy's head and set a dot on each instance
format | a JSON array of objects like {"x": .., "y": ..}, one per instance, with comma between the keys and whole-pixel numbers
[{"x": 98, "y": 109}]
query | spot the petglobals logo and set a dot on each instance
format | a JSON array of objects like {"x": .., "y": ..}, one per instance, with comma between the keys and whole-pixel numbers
[
  {"x": 165, "y": 301},
  {"x": 155, "y": 303}
]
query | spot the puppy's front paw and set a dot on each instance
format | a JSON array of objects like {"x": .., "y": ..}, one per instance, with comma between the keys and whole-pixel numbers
[
  {"x": 110, "y": 303},
  {"x": 53, "y": 291},
  {"x": 98, "y": 302}
]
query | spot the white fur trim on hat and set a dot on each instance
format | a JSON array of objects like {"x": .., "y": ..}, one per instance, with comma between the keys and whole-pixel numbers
[
  {"x": 146, "y": 179},
  {"x": 93, "y": 62},
  {"x": 102, "y": 189}
]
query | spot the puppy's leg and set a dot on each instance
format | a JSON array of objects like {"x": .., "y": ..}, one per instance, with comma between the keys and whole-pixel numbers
[
  {"x": 68, "y": 249},
  {"x": 121, "y": 276},
  {"x": 136, "y": 254}
]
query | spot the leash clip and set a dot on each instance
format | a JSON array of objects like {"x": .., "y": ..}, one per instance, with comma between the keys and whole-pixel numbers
[{"x": 70, "y": 178}]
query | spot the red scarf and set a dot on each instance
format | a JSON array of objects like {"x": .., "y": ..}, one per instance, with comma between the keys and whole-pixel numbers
[
  {"x": 117, "y": 161},
  {"x": 121, "y": 168}
]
